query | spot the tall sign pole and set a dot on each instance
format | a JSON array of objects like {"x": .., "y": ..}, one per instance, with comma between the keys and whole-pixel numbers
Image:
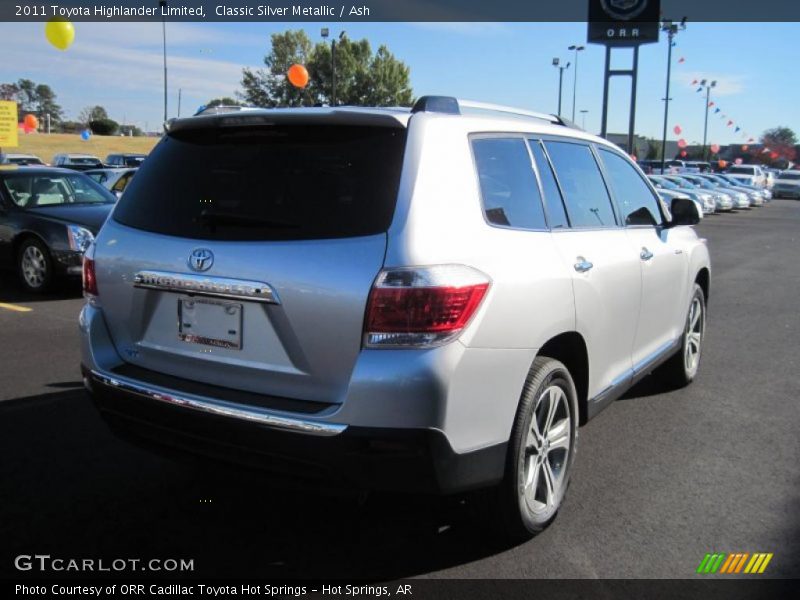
[{"x": 622, "y": 24}]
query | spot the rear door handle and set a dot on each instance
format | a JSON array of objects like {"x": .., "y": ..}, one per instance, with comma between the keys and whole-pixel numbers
[
  {"x": 582, "y": 265},
  {"x": 645, "y": 254}
]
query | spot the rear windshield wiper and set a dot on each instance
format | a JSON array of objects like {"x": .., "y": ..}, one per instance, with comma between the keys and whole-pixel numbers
[{"x": 214, "y": 218}]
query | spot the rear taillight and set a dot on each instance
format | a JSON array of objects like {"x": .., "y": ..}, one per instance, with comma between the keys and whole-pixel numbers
[
  {"x": 422, "y": 306},
  {"x": 89, "y": 278}
]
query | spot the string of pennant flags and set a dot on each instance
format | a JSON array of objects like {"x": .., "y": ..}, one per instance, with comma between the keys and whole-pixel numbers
[{"x": 729, "y": 121}]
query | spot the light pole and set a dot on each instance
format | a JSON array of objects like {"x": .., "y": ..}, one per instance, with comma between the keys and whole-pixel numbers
[
  {"x": 671, "y": 30},
  {"x": 557, "y": 64},
  {"x": 577, "y": 49},
  {"x": 583, "y": 119},
  {"x": 708, "y": 87},
  {"x": 162, "y": 4},
  {"x": 325, "y": 32}
]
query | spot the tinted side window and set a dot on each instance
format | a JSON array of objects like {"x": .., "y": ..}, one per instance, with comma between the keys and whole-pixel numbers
[
  {"x": 635, "y": 200},
  {"x": 508, "y": 184},
  {"x": 556, "y": 212},
  {"x": 585, "y": 194}
]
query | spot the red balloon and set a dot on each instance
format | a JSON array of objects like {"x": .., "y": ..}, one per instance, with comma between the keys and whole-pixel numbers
[
  {"x": 31, "y": 121},
  {"x": 28, "y": 129},
  {"x": 738, "y": 161},
  {"x": 684, "y": 153},
  {"x": 677, "y": 129},
  {"x": 774, "y": 155},
  {"x": 745, "y": 147},
  {"x": 715, "y": 148},
  {"x": 682, "y": 143},
  {"x": 298, "y": 76}
]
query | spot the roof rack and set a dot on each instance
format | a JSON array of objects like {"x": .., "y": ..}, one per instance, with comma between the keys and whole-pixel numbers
[{"x": 453, "y": 106}]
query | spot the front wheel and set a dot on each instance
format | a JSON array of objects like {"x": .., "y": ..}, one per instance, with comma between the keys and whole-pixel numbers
[
  {"x": 35, "y": 266},
  {"x": 541, "y": 450},
  {"x": 682, "y": 368}
]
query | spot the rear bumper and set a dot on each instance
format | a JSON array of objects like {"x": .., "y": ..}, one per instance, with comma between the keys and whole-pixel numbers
[{"x": 409, "y": 460}]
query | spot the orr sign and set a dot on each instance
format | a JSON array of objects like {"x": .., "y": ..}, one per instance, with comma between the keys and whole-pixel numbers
[{"x": 623, "y": 22}]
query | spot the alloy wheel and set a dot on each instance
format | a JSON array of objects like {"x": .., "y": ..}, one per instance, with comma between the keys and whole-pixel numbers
[{"x": 34, "y": 266}]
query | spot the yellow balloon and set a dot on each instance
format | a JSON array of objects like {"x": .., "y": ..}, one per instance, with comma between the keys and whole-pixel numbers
[{"x": 60, "y": 33}]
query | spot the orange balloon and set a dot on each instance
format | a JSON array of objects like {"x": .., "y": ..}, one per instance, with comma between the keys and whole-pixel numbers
[
  {"x": 31, "y": 121},
  {"x": 298, "y": 76}
]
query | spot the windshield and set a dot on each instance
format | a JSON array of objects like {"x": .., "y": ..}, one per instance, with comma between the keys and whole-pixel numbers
[
  {"x": 665, "y": 183},
  {"x": 281, "y": 182},
  {"x": 684, "y": 183},
  {"x": 24, "y": 160},
  {"x": 742, "y": 170},
  {"x": 82, "y": 160},
  {"x": 791, "y": 176},
  {"x": 46, "y": 189}
]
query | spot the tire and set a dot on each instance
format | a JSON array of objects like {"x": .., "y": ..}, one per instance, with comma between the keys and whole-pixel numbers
[
  {"x": 681, "y": 369},
  {"x": 35, "y": 266},
  {"x": 538, "y": 465}
]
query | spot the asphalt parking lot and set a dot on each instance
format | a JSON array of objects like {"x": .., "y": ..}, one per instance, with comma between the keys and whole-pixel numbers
[{"x": 662, "y": 477}]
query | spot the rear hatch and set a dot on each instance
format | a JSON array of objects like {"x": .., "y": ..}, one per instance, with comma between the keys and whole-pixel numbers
[{"x": 242, "y": 255}]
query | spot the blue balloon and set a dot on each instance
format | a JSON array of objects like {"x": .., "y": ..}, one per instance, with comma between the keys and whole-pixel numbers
[{"x": 85, "y": 135}]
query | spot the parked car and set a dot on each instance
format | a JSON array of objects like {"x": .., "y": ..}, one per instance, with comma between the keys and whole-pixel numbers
[
  {"x": 701, "y": 166},
  {"x": 77, "y": 162},
  {"x": 723, "y": 199},
  {"x": 47, "y": 219},
  {"x": 428, "y": 299},
  {"x": 125, "y": 160},
  {"x": 748, "y": 174},
  {"x": 706, "y": 200},
  {"x": 787, "y": 185},
  {"x": 668, "y": 195},
  {"x": 743, "y": 197},
  {"x": 20, "y": 159},
  {"x": 764, "y": 193},
  {"x": 115, "y": 180}
]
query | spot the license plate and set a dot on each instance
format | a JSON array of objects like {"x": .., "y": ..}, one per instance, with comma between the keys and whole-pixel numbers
[{"x": 210, "y": 322}]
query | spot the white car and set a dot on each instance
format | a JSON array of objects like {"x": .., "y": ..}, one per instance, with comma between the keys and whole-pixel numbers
[
  {"x": 684, "y": 189},
  {"x": 787, "y": 185},
  {"x": 668, "y": 195},
  {"x": 749, "y": 175}
]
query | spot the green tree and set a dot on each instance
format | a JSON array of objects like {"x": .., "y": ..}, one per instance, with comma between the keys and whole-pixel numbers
[
  {"x": 26, "y": 96},
  {"x": 781, "y": 140},
  {"x": 224, "y": 101},
  {"x": 104, "y": 126},
  {"x": 92, "y": 113},
  {"x": 46, "y": 103},
  {"x": 8, "y": 91},
  {"x": 362, "y": 78}
]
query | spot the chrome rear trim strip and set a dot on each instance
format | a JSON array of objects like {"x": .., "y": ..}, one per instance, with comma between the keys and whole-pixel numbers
[
  {"x": 222, "y": 409},
  {"x": 219, "y": 287}
]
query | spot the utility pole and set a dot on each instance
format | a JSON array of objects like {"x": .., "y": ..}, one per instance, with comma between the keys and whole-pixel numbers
[
  {"x": 671, "y": 30},
  {"x": 180, "y": 91},
  {"x": 708, "y": 103},
  {"x": 163, "y": 4},
  {"x": 583, "y": 120},
  {"x": 577, "y": 49},
  {"x": 561, "y": 69}
]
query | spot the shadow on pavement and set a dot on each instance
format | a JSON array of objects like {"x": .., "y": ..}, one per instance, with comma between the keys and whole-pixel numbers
[
  {"x": 11, "y": 290},
  {"x": 73, "y": 490}
]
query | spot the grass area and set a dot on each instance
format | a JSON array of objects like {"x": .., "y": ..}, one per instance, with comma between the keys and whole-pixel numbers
[{"x": 45, "y": 146}]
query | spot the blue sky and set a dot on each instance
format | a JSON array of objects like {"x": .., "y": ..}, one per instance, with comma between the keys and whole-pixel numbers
[{"x": 118, "y": 65}]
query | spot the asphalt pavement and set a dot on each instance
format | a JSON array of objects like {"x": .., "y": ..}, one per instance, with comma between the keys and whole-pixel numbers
[{"x": 662, "y": 477}]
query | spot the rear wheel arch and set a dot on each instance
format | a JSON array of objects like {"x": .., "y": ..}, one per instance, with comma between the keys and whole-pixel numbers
[
  {"x": 570, "y": 349},
  {"x": 703, "y": 279},
  {"x": 16, "y": 244}
]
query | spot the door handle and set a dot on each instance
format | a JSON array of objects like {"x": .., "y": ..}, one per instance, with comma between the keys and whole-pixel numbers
[
  {"x": 645, "y": 254},
  {"x": 582, "y": 265}
]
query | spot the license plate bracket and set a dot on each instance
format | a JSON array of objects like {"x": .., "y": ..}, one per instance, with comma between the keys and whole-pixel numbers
[{"x": 210, "y": 322}]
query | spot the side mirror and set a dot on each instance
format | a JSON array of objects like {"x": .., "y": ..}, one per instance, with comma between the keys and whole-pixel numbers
[{"x": 684, "y": 212}]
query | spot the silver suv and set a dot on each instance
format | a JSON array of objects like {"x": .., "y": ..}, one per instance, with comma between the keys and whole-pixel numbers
[{"x": 430, "y": 299}]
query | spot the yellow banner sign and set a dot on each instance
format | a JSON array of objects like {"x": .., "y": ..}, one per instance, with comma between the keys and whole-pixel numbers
[{"x": 8, "y": 124}]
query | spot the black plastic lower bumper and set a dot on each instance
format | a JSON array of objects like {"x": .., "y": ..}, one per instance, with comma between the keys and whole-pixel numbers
[{"x": 410, "y": 460}]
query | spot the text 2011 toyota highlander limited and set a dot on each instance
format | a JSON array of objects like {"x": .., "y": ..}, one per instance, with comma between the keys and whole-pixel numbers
[{"x": 428, "y": 300}]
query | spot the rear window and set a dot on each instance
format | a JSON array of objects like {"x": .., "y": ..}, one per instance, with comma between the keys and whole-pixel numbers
[
  {"x": 742, "y": 170},
  {"x": 285, "y": 182}
]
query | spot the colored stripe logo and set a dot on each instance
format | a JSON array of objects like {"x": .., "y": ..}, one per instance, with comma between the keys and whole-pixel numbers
[{"x": 734, "y": 563}]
